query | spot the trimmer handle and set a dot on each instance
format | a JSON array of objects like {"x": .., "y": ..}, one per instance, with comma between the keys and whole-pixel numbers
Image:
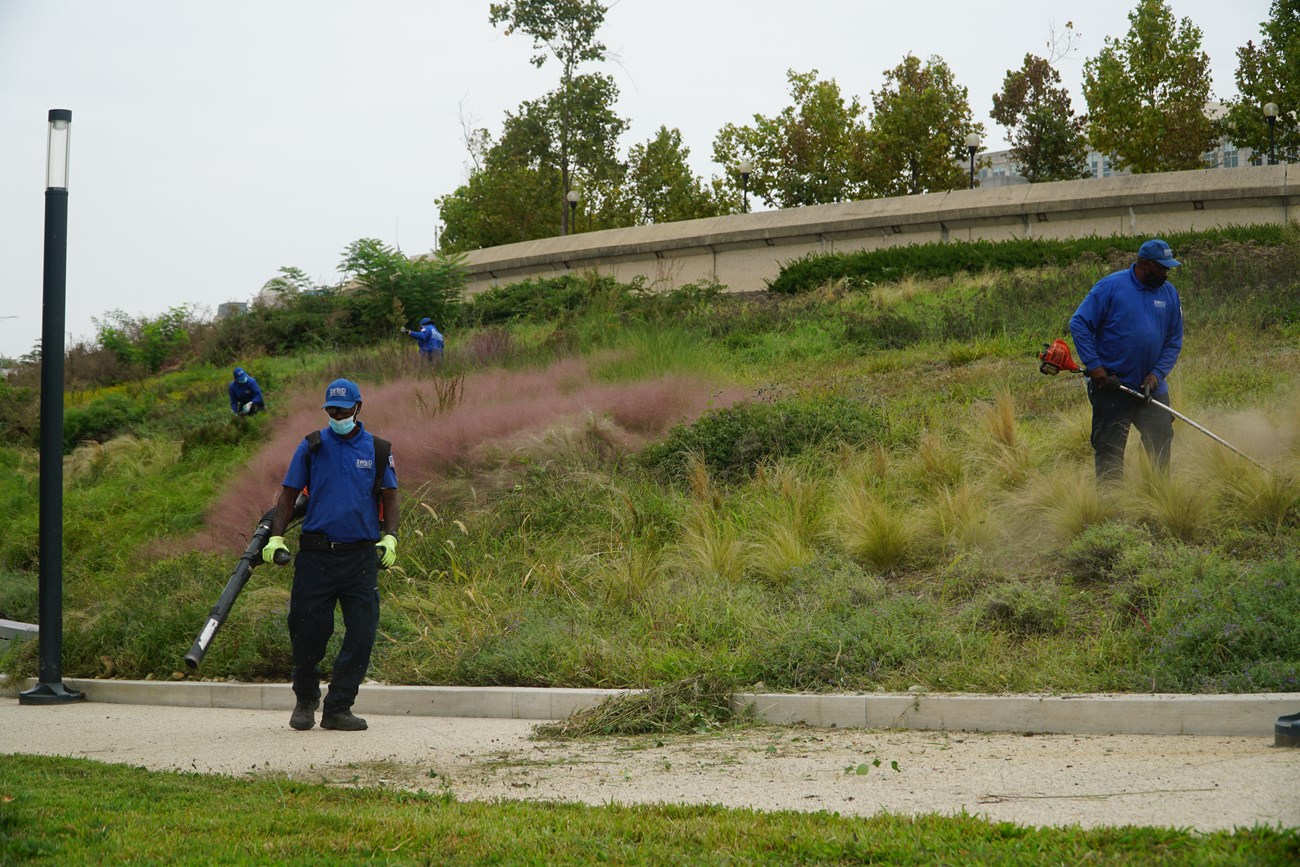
[{"x": 282, "y": 557}]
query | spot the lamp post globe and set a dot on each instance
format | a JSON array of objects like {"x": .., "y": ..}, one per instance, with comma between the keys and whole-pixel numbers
[
  {"x": 1270, "y": 114},
  {"x": 972, "y": 145},
  {"x": 572, "y": 198},
  {"x": 746, "y": 168}
]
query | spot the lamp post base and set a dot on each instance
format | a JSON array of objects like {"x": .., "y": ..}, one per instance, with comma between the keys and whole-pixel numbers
[
  {"x": 1286, "y": 732},
  {"x": 50, "y": 693}
]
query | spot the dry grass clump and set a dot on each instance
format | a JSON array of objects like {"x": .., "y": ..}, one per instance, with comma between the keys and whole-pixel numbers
[
  {"x": 696, "y": 704},
  {"x": 870, "y": 530},
  {"x": 958, "y": 520}
]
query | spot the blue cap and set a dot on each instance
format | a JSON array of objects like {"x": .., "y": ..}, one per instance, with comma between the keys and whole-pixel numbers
[
  {"x": 342, "y": 393},
  {"x": 426, "y": 321},
  {"x": 239, "y": 371},
  {"x": 1158, "y": 251}
]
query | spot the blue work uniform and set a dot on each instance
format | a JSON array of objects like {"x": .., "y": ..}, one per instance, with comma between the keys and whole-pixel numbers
[
  {"x": 430, "y": 340},
  {"x": 340, "y": 477},
  {"x": 245, "y": 392},
  {"x": 342, "y": 508},
  {"x": 1131, "y": 331}
]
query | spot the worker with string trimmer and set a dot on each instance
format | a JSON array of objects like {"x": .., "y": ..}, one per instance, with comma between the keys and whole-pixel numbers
[{"x": 1128, "y": 332}]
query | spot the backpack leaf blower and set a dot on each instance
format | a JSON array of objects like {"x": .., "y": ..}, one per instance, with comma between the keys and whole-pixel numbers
[{"x": 251, "y": 558}]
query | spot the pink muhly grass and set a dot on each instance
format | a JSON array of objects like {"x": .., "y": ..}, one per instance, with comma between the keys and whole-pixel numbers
[{"x": 496, "y": 408}]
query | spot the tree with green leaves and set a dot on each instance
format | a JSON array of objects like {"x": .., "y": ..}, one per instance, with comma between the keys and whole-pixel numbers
[
  {"x": 510, "y": 196},
  {"x": 566, "y": 31},
  {"x": 1047, "y": 140},
  {"x": 390, "y": 284},
  {"x": 1270, "y": 72},
  {"x": 150, "y": 343},
  {"x": 1147, "y": 94},
  {"x": 918, "y": 134},
  {"x": 660, "y": 185},
  {"x": 812, "y": 153}
]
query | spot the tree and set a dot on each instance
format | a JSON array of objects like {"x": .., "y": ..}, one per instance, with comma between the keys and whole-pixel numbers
[
  {"x": 1047, "y": 140},
  {"x": 150, "y": 343},
  {"x": 1147, "y": 94},
  {"x": 810, "y": 154},
  {"x": 660, "y": 185},
  {"x": 918, "y": 130},
  {"x": 564, "y": 30},
  {"x": 511, "y": 197},
  {"x": 393, "y": 284},
  {"x": 1270, "y": 72}
]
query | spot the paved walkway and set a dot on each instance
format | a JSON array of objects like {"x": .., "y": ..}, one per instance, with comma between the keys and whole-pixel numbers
[{"x": 1203, "y": 782}]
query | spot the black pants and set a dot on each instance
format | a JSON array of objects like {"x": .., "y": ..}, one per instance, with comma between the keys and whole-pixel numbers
[
  {"x": 321, "y": 579},
  {"x": 1112, "y": 413}
]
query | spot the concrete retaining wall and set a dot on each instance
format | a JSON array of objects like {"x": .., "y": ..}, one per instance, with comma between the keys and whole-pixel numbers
[{"x": 744, "y": 250}]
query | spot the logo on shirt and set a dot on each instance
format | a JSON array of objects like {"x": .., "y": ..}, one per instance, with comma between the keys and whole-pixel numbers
[
  {"x": 1159, "y": 303},
  {"x": 363, "y": 464}
]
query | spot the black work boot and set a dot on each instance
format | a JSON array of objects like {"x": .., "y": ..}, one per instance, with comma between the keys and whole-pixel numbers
[
  {"x": 304, "y": 715},
  {"x": 342, "y": 721}
]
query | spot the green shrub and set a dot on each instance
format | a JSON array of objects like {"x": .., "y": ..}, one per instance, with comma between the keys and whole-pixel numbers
[
  {"x": 102, "y": 419},
  {"x": 545, "y": 298},
  {"x": 947, "y": 259},
  {"x": 1096, "y": 555},
  {"x": 1022, "y": 610},
  {"x": 732, "y": 442},
  {"x": 1227, "y": 632}
]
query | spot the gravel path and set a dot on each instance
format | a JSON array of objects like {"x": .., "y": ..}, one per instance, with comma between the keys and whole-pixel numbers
[{"x": 1208, "y": 783}]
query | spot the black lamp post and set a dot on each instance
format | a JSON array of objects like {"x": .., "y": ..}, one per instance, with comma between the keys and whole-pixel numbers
[
  {"x": 572, "y": 197},
  {"x": 972, "y": 145},
  {"x": 746, "y": 167},
  {"x": 1270, "y": 114},
  {"x": 49, "y": 688}
]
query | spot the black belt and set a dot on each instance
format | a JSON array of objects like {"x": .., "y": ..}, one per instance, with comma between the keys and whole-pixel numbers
[{"x": 321, "y": 542}]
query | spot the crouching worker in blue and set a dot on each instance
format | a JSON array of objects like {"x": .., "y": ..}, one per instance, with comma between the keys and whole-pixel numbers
[
  {"x": 348, "y": 532},
  {"x": 429, "y": 338},
  {"x": 245, "y": 396},
  {"x": 1129, "y": 331}
]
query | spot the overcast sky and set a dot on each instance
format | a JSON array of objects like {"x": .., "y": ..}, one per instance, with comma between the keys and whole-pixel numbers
[{"x": 213, "y": 142}]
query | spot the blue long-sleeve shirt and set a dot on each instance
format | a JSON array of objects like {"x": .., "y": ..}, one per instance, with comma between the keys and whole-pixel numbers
[
  {"x": 244, "y": 392},
  {"x": 1129, "y": 329},
  {"x": 429, "y": 338}
]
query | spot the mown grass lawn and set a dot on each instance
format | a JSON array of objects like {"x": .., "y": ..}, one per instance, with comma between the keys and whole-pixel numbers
[{"x": 74, "y": 811}]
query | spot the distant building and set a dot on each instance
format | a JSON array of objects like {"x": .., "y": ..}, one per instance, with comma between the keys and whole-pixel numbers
[
  {"x": 231, "y": 309},
  {"x": 1002, "y": 172}
]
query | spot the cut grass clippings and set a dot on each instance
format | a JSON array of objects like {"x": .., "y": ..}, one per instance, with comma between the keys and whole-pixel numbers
[{"x": 75, "y": 811}]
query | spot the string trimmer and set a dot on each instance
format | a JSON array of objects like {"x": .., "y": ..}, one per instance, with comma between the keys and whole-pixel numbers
[{"x": 1056, "y": 357}]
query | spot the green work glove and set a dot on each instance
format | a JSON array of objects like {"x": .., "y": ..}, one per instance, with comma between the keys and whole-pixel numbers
[
  {"x": 387, "y": 549},
  {"x": 273, "y": 544}
]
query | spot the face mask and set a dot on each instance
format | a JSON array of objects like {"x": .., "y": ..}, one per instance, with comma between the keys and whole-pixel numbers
[
  {"x": 243, "y": 379},
  {"x": 343, "y": 427}
]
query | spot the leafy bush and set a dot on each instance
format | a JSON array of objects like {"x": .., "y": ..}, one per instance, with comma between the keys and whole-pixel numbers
[
  {"x": 1099, "y": 552},
  {"x": 1228, "y": 632},
  {"x": 943, "y": 260},
  {"x": 101, "y": 419},
  {"x": 1023, "y": 610},
  {"x": 733, "y": 442},
  {"x": 546, "y": 298}
]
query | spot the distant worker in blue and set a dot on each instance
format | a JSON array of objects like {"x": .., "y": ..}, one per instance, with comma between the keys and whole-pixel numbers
[
  {"x": 349, "y": 531},
  {"x": 1129, "y": 330},
  {"x": 245, "y": 396},
  {"x": 429, "y": 338}
]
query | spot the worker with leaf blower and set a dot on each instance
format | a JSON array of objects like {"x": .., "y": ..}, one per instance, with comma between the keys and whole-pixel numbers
[
  {"x": 429, "y": 338},
  {"x": 349, "y": 531},
  {"x": 1128, "y": 331}
]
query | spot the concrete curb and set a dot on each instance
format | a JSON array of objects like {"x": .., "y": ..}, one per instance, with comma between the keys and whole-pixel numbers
[{"x": 1250, "y": 715}]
